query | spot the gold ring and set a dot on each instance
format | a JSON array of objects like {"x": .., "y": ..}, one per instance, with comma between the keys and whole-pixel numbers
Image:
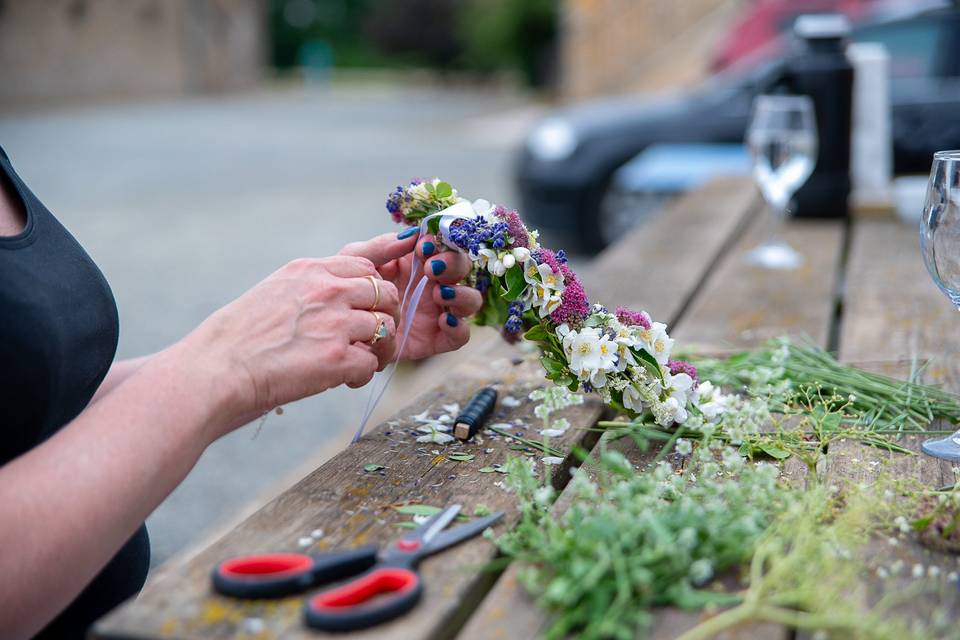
[
  {"x": 376, "y": 292},
  {"x": 380, "y": 332}
]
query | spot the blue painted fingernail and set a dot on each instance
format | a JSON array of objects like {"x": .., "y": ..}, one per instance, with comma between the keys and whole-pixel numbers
[
  {"x": 429, "y": 248},
  {"x": 406, "y": 233},
  {"x": 438, "y": 266},
  {"x": 447, "y": 293},
  {"x": 452, "y": 320}
]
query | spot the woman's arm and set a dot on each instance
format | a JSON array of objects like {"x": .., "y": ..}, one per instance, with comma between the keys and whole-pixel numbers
[
  {"x": 69, "y": 504},
  {"x": 120, "y": 370}
]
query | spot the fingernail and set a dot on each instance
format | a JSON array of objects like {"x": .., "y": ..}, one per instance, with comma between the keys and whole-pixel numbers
[
  {"x": 438, "y": 266},
  {"x": 406, "y": 233},
  {"x": 452, "y": 320},
  {"x": 447, "y": 293},
  {"x": 428, "y": 248}
]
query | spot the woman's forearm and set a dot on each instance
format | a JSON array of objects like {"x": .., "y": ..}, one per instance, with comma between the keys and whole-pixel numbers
[
  {"x": 119, "y": 371},
  {"x": 67, "y": 506}
]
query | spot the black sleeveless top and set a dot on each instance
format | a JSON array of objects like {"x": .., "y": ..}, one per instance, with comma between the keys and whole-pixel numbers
[{"x": 58, "y": 337}]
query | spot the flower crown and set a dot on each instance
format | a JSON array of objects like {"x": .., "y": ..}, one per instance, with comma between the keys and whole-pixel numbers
[{"x": 531, "y": 292}]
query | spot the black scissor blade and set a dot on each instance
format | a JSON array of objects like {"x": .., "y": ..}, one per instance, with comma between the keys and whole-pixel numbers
[{"x": 457, "y": 535}]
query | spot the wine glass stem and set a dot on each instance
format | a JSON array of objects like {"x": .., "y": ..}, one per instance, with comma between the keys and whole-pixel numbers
[{"x": 775, "y": 223}]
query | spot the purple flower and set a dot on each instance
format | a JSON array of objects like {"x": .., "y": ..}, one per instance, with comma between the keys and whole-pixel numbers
[
  {"x": 562, "y": 256},
  {"x": 483, "y": 283},
  {"x": 682, "y": 366},
  {"x": 574, "y": 306},
  {"x": 515, "y": 226},
  {"x": 635, "y": 318},
  {"x": 513, "y": 325}
]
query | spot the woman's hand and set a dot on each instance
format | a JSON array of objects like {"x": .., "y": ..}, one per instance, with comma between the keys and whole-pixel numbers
[
  {"x": 304, "y": 329},
  {"x": 438, "y": 324}
]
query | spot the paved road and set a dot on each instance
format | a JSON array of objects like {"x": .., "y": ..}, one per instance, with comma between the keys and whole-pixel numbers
[{"x": 186, "y": 204}]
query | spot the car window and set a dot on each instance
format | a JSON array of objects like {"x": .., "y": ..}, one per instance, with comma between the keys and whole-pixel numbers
[{"x": 912, "y": 45}]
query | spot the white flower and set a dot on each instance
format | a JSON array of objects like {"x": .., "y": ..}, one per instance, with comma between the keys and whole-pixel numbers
[
  {"x": 656, "y": 341},
  {"x": 631, "y": 399},
  {"x": 549, "y": 304},
  {"x": 591, "y": 354},
  {"x": 521, "y": 255},
  {"x": 684, "y": 447},
  {"x": 554, "y": 460},
  {"x": 665, "y": 413},
  {"x": 508, "y": 260},
  {"x": 552, "y": 281}
]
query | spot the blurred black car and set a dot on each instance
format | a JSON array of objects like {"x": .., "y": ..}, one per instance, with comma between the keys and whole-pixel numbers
[{"x": 567, "y": 163}]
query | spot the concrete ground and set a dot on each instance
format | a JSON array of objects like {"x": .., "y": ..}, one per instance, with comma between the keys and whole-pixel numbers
[{"x": 186, "y": 204}]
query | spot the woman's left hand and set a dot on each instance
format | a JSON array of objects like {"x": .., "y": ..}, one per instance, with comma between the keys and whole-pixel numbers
[{"x": 438, "y": 325}]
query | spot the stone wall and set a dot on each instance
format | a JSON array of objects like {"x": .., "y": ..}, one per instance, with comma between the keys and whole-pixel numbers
[
  {"x": 68, "y": 50},
  {"x": 621, "y": 46}
]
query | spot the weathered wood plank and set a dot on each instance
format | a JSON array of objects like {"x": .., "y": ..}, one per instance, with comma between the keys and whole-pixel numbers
[
  {"x": 742, "y": 306},
  {"x": 659, "y": 266},
  {"x": 353, "y": 508},
  {"x": 892, "y": 310}
]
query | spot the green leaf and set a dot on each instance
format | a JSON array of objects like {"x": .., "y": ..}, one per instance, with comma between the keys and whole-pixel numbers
[
  {"x": 774, "y": 451},
  {"x": 831, "y": 422},
  {"x": 443, "y": 190},
  {"x": 487, "y": 469},
  {"x": 406, "y": 525},
  {"x": 461, "y": 457},
  {"x": 686, "y": 597},
  {"x": 369, "y": 468},
  {"x": 433, "y": 225},
  {"x": 922, "y": 523},
  {"x": 649, "y": 362},
  {"x": 417, "y": 510},
  {"x": 481, "y": 510},
  {"x": 515, "y": 283},
  {"x": 551, "y": 365},
  {"x": 429, "y": 187},
  {"x": 536, "y": 333},
  {"x": 564, "y": 380}
]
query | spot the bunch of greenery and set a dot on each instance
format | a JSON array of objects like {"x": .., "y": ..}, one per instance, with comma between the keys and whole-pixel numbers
[
  {"x": 870, "y": 400},
  {"x": 634, "y": 539},
  {"x": 631, "y": 541}
]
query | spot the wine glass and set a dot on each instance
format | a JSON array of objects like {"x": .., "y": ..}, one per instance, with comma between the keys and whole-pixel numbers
[
  {"x": 940, "y": 245},
  {"x": 782, "y": 139}
]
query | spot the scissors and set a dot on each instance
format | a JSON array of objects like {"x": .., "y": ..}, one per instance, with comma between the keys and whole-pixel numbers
[{"x": 389, "y": 573}]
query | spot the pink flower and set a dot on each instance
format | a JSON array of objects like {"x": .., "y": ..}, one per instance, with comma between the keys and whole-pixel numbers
[
  {"x": 635, "y": 318},
  {"x": 515, "y": 226},
  {"x": 574, "y": 306},
  {"x": 682, "y": 366}
]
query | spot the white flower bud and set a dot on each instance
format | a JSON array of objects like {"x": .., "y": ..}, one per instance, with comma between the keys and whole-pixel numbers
[{"x": 509, "y": 261}]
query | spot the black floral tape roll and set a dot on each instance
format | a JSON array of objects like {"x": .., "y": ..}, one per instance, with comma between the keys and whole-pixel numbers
[{"x": 475, "y": 414}]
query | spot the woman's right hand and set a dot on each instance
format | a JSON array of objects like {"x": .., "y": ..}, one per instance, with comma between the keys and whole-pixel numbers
[{"x": 303, "y": 329}]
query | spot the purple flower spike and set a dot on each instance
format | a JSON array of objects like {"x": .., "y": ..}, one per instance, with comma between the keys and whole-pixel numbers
[
  {"x": 635, "y": 318},
  {"x": 682, "y": 366},
  {"x": 515, "y": 226}
]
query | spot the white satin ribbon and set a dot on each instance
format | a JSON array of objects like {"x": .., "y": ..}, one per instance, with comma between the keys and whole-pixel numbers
[{"x": 460, "y": 211}]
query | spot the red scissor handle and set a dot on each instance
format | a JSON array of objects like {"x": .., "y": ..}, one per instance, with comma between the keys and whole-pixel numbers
[
  {"x": 279, "y": 574},
  {"x": 377, "y": 596}
]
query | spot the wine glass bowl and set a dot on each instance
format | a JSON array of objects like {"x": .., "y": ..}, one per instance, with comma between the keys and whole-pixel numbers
[
  {"x": 940, "y": 224},
  {"x": 782, "y": 139},
  {"x": 940, "y": 247}
]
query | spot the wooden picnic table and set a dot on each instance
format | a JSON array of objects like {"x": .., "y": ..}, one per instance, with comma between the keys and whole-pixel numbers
[{"x": 862, "y": 291}]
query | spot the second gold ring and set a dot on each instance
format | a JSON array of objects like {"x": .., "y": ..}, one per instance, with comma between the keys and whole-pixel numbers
[{"x": 376, "y": 292}]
